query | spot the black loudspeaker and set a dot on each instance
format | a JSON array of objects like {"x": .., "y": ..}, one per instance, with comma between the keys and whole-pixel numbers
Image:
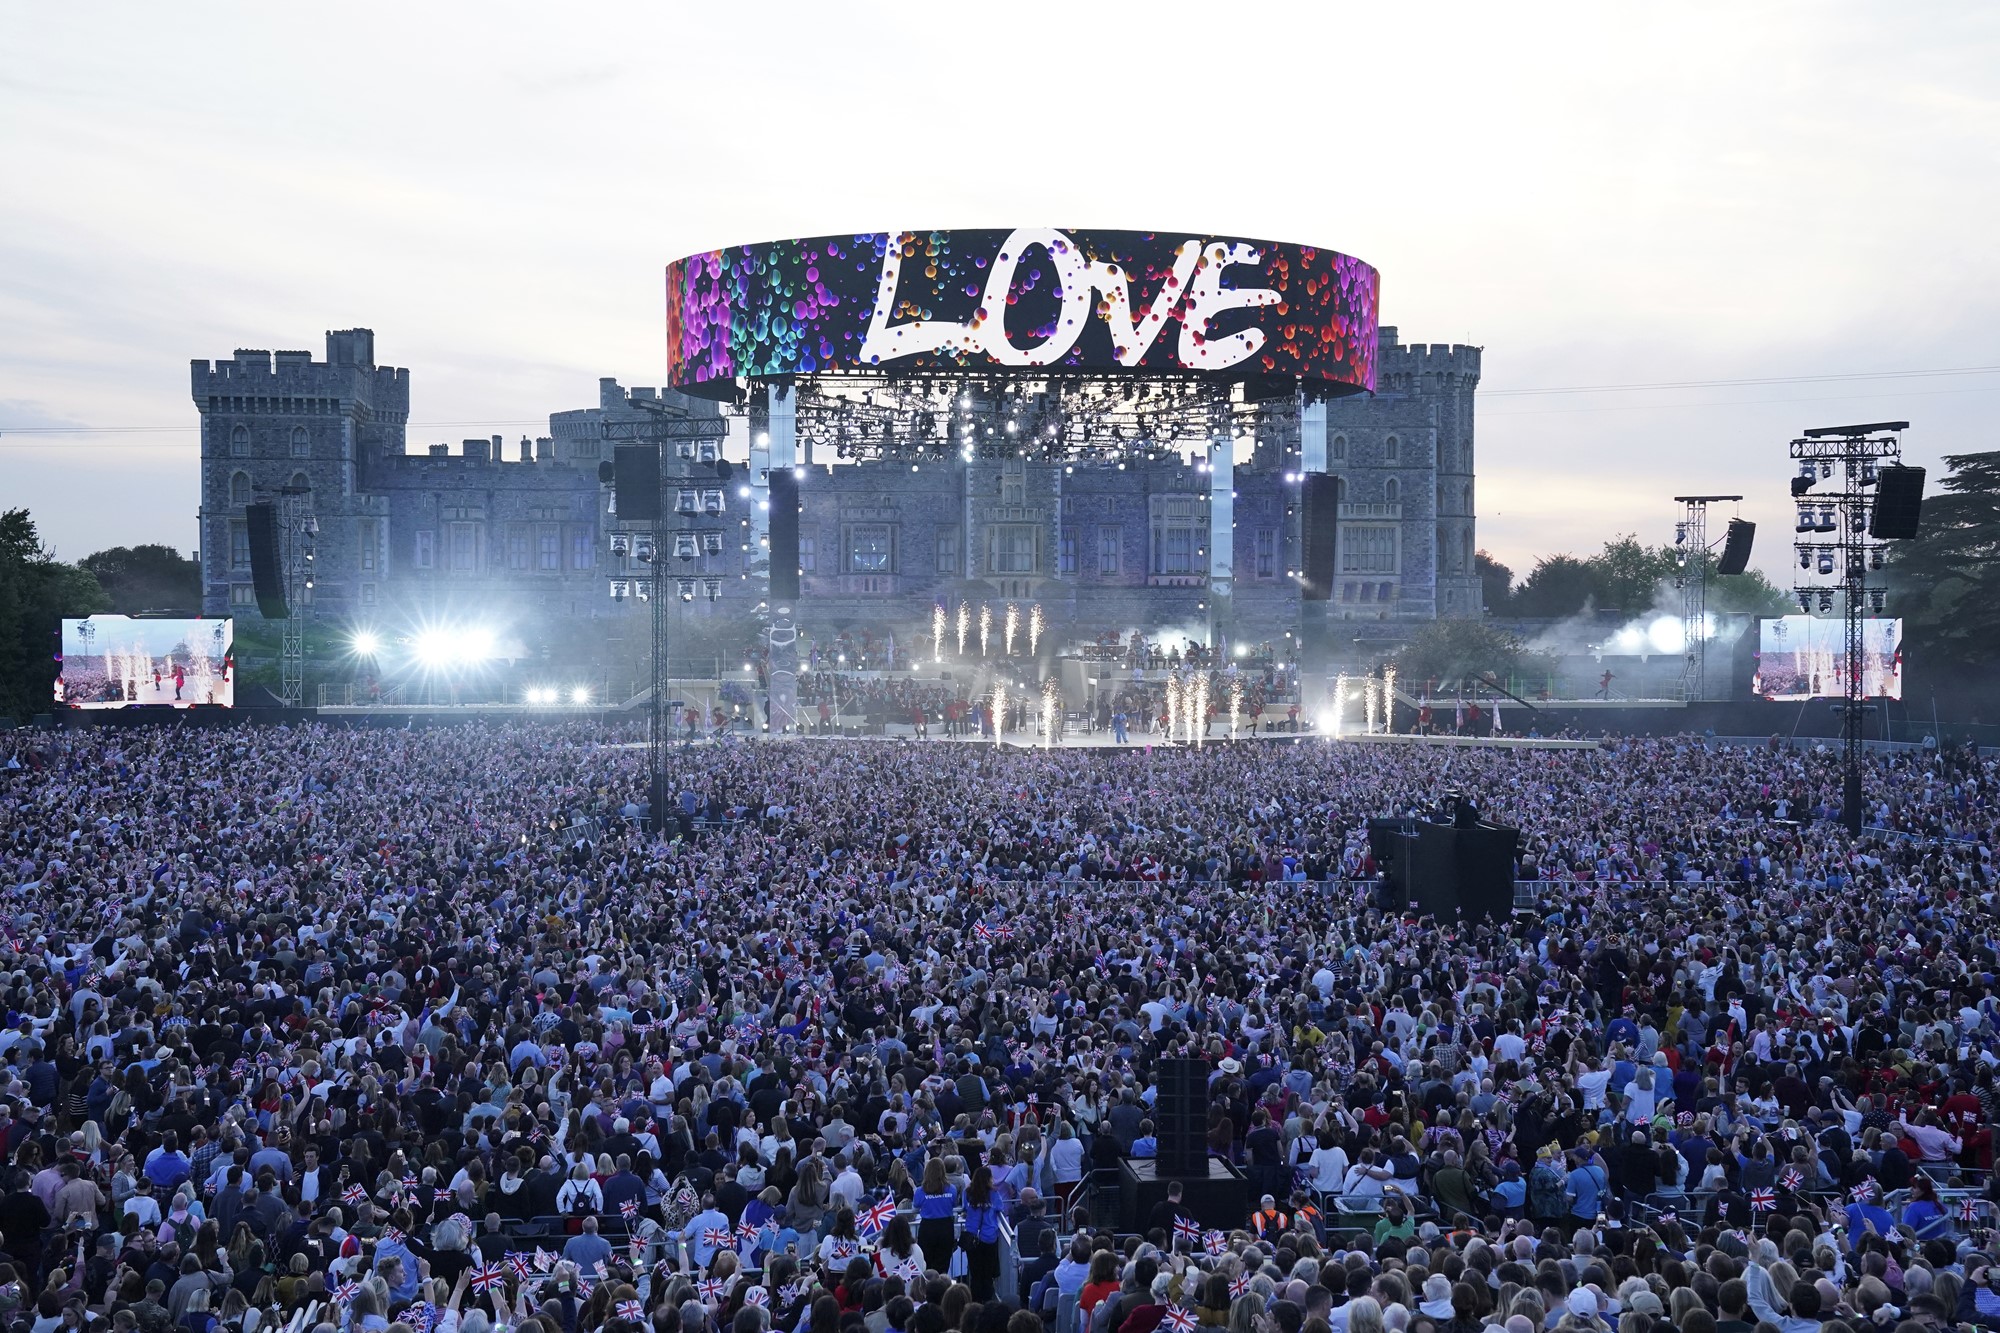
[
  {"x": 1464, "y": 872},
  {"x": 1899, "y": 502},
  {"x": 1180, "y": 1116},
  {"x": 267, "y": 571},
  {"x": 1392, "y": 842},
  {"x": 1736, "y": 547},
  {"x": 784, "y": 536},
  {"x": 1319, "y": 520},
  {"x": 635, "y": 475}
]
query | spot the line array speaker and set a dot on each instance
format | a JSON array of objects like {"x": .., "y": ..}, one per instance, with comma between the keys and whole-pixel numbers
[
  {"x": 1736, "y": 547},
  {"x": 784, "y": 536},
  {"x": 267, "y": 571},
  {"x": 635, "y": 479},
  {"x": 1899, "y": 502},
  {"x": 1180, "y": 1116},
  {"x": 1318, "y": 523}
]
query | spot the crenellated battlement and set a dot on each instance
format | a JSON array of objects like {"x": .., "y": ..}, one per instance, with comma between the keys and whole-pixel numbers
[{"x": 349, "y": 372}]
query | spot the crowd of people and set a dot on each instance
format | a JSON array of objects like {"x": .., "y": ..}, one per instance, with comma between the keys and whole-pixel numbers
[{"x": 427, "y": 1029}]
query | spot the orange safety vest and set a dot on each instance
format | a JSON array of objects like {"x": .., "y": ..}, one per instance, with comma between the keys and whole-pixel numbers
[{"x": 1269, "y": 1222}]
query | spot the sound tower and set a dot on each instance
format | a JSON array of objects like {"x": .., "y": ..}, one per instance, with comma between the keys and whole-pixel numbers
[
  {"x": 635, "y": 479},
  {"x": 1319, "y": 512},
  {"x": 1180, "y": 1118},
  {"x": 784, "y": 536},
  {"x": 267, "y": 570},
  {"x": 1736, "y": 547},
  {"x": 1464, "y": 872},
  {"x": 1899, "y": 503}
]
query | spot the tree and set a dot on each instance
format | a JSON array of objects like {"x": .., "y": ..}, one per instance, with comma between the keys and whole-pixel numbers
[
  {"x": 1448, "y": 651},
  {"x": 1629, "y": 574},
  {"x": 146, "y": 578},
  {"x": 1558, "y": 586},
  {"x": 1749, "y": 593},
  {"x": 1945, "y": 583},
  {"x": 36, "y": 592},
  {"x": 1496, "y": 581}
]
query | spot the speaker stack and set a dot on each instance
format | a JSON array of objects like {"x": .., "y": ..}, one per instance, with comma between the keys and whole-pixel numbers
[
  {"x": 267, "y": 570},
  {"x": 1735, "y": 556},
  {"x": 1899, "y": 503},
  {"x": 1318, "y": 527},
  {"x": 784, "y": 536},
  {"x": 1180, "y": 1116},
  {"x": 635, "y": 481}
]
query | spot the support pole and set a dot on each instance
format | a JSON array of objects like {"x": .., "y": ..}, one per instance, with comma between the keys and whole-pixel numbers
[
  {"x": 783, "y": 428},
  {"x": 1221, "y": 527}
]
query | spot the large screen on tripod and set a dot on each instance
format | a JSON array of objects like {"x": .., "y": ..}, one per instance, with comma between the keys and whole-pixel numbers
[{"x": 1805, "y": 657}]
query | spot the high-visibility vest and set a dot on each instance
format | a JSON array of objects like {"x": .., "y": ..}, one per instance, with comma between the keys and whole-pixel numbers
[{"x": 1267, "y": 1222}]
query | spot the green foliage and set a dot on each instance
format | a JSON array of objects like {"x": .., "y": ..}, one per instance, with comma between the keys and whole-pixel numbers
[
  {"x": 1945, "y": 583},
  {"x": 1450, "y": 650},
  {"x": 36, "y": 592},
  {"x": 147, "y": 578},
  {"x": 1496, "y": 582},
  {"x": 1749, "y": 593},
  {"x": 1628, "y": 574},
  {"x": 1558, "y": 586}
]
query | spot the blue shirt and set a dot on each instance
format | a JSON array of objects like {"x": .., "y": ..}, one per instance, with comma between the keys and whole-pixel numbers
[
  {"x": 1586, "y": 1182},
  {"x": 1146, "y": 1145}
]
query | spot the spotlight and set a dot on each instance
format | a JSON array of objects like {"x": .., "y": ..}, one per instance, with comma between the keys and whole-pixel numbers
[
  {"x": 1680, "y": 534},
  {"x": 1805, "y": 602},
  {"x": 434, "y": 648},
  {"x": 579, "y": 695},
  {"x": 1805, "y": 559},
  {"x": 365, "y": 643},
  {"x": 1825, "y": 601},
  {"x": 1826, "y": 562},
  {"x": 1877, "y": 599}
]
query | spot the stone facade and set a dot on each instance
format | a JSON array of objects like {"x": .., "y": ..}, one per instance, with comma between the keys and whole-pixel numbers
[{"x": 526, "y": 540}]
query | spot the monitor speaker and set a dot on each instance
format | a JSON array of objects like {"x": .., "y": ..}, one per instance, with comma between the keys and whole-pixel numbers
[
  {"x": 1899, "y": 502},
  {"x": 1736, "y": 547},
  {"x": 635, "y": 478},
  {"x": 784, "y": 536},
  {"x": 267, "y": 570},
  {"x": 1319, "y": 514},
  {"x": 1180, "y": 1117}
]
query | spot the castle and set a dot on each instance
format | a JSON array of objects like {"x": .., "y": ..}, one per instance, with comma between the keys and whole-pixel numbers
[{"x": 526, "y": 539}]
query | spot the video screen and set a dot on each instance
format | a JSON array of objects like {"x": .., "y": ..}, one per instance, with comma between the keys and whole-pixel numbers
[
  {"x": 1805, "y": 657},
  {"x": 119, "y": 662}
]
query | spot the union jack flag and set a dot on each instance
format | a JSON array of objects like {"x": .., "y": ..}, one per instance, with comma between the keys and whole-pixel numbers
[
  {"x": 522, "y": 1262},
  {"x": 1181, "y": 1321},
  {"x": 1968, "y": 1209},
  {"x": 392, "y": 1235},
  {"x": 876, "y": 1217},
  {"x": 1792, "y": 1178},
  {"x": 354, "y": 1194},
  {"x": 1863, "y": 1192},
  {"x": 346, "y": 1292},
  {"x": 717, "y": 1238},
  {"x": 1186, "y": 1228},
  {"x": 544, "y": 1260},
  {"x": 790, "y": 1293},
  {"x": 1215, "y": 1242},
  {"x": 756, "y": 1296},
  {"x": 492, "y": 1277},
  {"x": 444, "y": 1195},
  {"x": 409, "y": 1183},
  {"x": 982, "y": 930},
  {"x": 713, "y": 1290},
  {"x": 1763, "y": 1200},
  {"x": 631, "y": 1310},
  {"x": 1239, "y": 1285},
  {"x": 1667, "y": 1217},
  {"x": 843, "y": 1250},
  {"x": 630, "y": 1208}
]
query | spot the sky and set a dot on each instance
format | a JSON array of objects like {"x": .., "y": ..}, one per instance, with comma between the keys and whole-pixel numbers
[{"x": 1597, "y": 195}]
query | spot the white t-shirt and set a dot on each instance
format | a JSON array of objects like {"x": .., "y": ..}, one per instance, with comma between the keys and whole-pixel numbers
[{"x": 1592, "y": 1083}]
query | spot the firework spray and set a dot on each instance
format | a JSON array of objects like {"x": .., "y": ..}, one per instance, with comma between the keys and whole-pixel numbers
[
  {"x": 1173, "y": 706},
  {"x": 1199, "y": 722},
  {"x": 937, "y": 633},
  {"x": 1389, "y": 698},
  {"x": 1052, "y": 701},
  {"x": 1034, "y": 628},
  {"x": 1235, "y": 703},
  {"x": 985, "y": 629},
  {"x": 1339, "y": 700},
  {"x": 1013, "y": 627},
  {"x": 1371, "y": 702},
  {"x": 999, "y": 712},
  {"x": 964, "y": 625}
]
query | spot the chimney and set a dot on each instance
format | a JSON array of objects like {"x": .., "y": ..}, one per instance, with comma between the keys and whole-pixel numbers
[
  {"x": 440, "y": 451},
  {"x": 477, "y": 451},
  {"x": 527, "y": 450},
  {"x": 545, "y": 449}
]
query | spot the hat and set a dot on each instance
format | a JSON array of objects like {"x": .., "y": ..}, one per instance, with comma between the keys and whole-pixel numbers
[
  {"x": 1645, "y": 1302},
  {"x": 1583, "y": 1303},
  {"x": 1230, "y": 1065}
]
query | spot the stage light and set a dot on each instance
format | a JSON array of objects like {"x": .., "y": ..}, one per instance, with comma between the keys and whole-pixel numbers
[
  {"x": 1805, "y": 602},
  {"x": 1826, "y": 562},
  {"x": 1826, "y": 601},
  {"x": 434, "y": 648},
  {"x": 1680, "y": 534},
  {"x": 1242, "y": 650},
  {"x": 365, "y": 643},
  {"x": 476, "y": 645},
  {"x": 1666, "y": 635},
  {"x": 538, "y": 695},
  {"x": 579, "y": 695},
  {"x": 743, "y": 491},
  {"x": 1805, "y": 559}
]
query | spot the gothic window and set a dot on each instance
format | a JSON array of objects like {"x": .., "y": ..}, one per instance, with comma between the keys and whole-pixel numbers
[
  {"x": 946, "y": 552},
  {"x": 1393, "y": 491},
  {"x": 1368, "y": 550},
  {"x": 1110, "y": 549},
  {"x": 300, "y": 448},
  {"x": 239, "y": 488},
  {"x": 1340, "y": 448},
  {"x": 299, "y": 482},
  {"x": 239, "y": 442},
  {"x": 1392, "y": 449},
  {"x": 870, "y": 549},
  {"x": 1013, "y": 548}
]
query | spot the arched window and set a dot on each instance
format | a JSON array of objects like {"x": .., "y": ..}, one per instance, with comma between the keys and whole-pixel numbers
[
  {"x": 239, "y": 442},
  {"x": 239, "y": 488},
  {"x": 299, "y": 482},
  {"x": 1340, "y": 448},
  {"x": 1392, "y": 492},
  {"x": 300, "y": 449},
  {"x": 1392, "y": 449}
]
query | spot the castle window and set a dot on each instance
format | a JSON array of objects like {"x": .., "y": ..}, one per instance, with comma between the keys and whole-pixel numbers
[
  {"x": 871, "y": 549},
  {"x": 368, "y": 594},
  {"x": 517, "y": 546},
  {"x": 239, "y": 442},
  {"x": 1367, "y": 549},
  {"x": 1392, "y": 449},
  {"x": 242, "y": 594},
  {"x": 299, "y": 482},
  {"x": 1393, "y": 491},
  {"x": 239, "y": 546},
  {"x": 1013, "y": 548},
  {"x": 424, "y": 555},
  {"x": 947, "y": 552},
  {"x": 548, "y": 548},
  {"x": 1340, "y": 448},
  {"x": 239, "y": 488},
  {"x": 1175, "y": 520},
  {"x": 1068, "y": 549},
  {"x": 582, "y": 548},
  {"x": 464, "y": 547},
  {"x": 808, "y": 555},
  {"x": 1110, "y": 549},
  {"x": 1267, "y": 553},
  {"x": 300, "y": 447},
  {"x": 368, "y": 539}
]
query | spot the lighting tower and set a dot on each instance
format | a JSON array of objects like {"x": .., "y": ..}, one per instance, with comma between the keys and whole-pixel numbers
[
  {"x": 1834, "y": 540},
  {"x": 1691, "y": 544}
]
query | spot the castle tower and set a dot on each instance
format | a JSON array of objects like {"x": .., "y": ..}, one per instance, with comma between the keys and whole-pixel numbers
[
  {"x": 1445, "y": 377},
  {"x": 269, "y": 421}
]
